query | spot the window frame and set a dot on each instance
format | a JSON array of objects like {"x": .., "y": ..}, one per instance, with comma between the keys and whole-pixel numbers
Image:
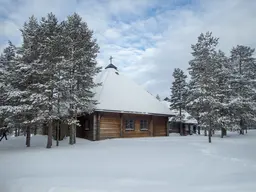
[
  {"x": 144, "y": 122},
  {"x": 129, "y": 128},
  {"x": 87, "y": 125}
]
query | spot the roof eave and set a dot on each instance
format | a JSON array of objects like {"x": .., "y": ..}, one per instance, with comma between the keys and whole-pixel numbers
[{"x": 134, "y": 112}]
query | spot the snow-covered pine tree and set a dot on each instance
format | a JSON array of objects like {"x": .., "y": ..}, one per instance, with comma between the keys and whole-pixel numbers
[
  {"x": 202, "y": 93},
  {"x": 7, "y": 62},
  {"x": 2, "y": 91},
  {"x": 243, "y": 85},
  {"x": 251, "y": 75},
  {"x": 158, "y": 97},
  {"x": 26, "y": 76},
  {"x": 178, "y": 95},
  {"x": 221, "y": 75},
  {"x": 81, "y": 51},
  {"x": 51, "y": 56},
  {"x": 11, "y": 102}
]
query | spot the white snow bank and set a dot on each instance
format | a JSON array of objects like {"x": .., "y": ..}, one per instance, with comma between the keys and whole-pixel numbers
[{"x": 164, "y": 164}]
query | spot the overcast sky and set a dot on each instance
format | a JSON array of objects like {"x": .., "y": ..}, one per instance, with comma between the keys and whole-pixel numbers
[{"x": 147, "y": 38}]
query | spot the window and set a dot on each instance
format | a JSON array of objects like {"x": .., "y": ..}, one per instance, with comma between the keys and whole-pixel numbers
[
  {"x": 129, "y": 125},
  {"x": 143, "y": 125}
]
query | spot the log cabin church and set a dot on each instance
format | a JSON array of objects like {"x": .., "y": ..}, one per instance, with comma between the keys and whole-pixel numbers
[{"x": 124, "y": 110}]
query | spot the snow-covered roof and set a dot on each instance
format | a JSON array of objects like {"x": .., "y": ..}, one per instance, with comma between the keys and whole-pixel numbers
[
  {"x": 187, "y": 117},
  {"x": 120, "y": 94}
]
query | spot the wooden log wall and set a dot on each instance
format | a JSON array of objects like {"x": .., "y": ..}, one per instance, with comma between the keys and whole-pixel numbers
[
  {"x": 100, "y": 126},
  {"x": 109, "y": 125},
  {"x": 160, "y": 126},
  {"x": 137, "y": 132},
  {"x": 112, "y": 125}
]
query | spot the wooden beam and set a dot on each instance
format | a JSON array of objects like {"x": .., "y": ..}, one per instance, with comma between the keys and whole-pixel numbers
[
  {"x": 167, "y": 127},
  {"x": 121, "y": 124},
  {"x": 98, "y": 125},
  {"x": 94, "y": 130},
  {"x": 151, "y": 126}
]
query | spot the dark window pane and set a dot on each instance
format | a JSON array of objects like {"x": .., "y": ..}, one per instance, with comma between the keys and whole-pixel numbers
[
  {"x": 129, "y": 124},
  {"x": 143, "y": 125}
]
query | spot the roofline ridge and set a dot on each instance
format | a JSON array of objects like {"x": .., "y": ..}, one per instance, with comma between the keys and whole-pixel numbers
[{"x": 103, "y": 80}]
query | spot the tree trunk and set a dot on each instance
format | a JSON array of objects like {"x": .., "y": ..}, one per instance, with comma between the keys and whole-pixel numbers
[
  {"x": 210, "y": 131},
  {"x": 75, "y": 126},
  {"x": 181, "y": 128},
  {"x": 28, "y": 136},
  {"x": 58, "y": 133},
  {"x": 210, "y": 135},
  {"x": 49, "y": 139},
  {"x": 241, "y": 127},
  {"x": 72, "y": 138},
  {"x": 181, "y": 132},
  {"x": 72, "y": 134},
  {"x": 199, "y": 130},
  {"x": 19, "y": 131},
  {"x": 16, "y": 132},
  {"x": 35, "y": 130},
  {"x": 223, "y": 132}
]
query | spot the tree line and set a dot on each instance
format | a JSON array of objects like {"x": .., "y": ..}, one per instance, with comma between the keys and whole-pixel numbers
[
  {"x": 221, "y": 91},
  {"x": 49, "y": 77}
]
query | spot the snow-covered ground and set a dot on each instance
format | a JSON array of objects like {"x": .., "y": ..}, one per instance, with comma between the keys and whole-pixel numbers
[{"x": 178, "y": 164}]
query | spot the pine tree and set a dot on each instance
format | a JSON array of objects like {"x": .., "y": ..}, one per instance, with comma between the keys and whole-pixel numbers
[
  {"x": 242, "y": 84},
  {"x": 80, "y": 57},
  {"x": 203, "y": 86},
  {"x": 10, "y": 94},
  {"x": 6, "y": 68},
  {"x": 51, "y": 56},
  {"x": 178, "y": 96},
  {"x": 26, "y": 76},
  {"x": 221, "y": 76}
]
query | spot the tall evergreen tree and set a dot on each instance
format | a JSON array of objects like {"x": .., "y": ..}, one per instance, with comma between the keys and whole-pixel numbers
[
  {"x": 7, "y": 63},
  {"x": 178, "y": 96},
  {"x": 242, "y": 84},
  {"x": 81, "y": 66},
  {"x": 50, "y": 57},
  {"x": 202, "y": 94},
  {"x": 222, "y": 94},
  {"x": 26, "y": 75}
]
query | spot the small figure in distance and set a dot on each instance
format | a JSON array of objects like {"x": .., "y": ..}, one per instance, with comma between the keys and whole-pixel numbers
[{"x": 4, "y": 133}]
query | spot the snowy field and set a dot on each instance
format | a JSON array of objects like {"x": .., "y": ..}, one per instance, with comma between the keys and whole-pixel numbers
[{"x": 167, "y": 164}]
